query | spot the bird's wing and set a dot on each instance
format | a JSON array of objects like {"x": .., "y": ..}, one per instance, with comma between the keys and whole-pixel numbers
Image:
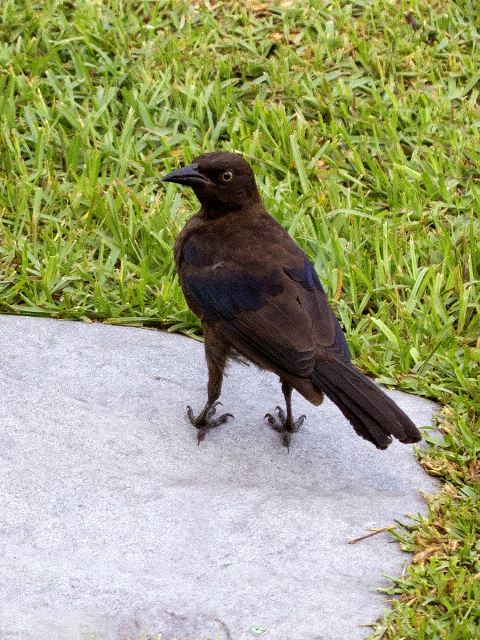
[{"x": 281, "y": 314}]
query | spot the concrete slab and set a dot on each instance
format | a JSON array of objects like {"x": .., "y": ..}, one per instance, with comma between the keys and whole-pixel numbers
[{"x": 115, "y": 525}]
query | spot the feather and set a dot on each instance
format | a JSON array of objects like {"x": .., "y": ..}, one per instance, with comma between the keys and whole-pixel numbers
[{"x": 373, "y": 414}]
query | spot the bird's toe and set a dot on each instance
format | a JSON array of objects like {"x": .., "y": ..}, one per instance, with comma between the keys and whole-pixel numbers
[{"x": 295, "y": 426}]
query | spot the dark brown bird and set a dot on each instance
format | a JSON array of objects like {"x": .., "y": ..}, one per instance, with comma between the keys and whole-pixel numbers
[{"x": 258, "y": 296}]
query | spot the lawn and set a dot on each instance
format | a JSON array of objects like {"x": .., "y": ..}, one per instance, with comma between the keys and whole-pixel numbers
[{"x": 362, "y": 120}]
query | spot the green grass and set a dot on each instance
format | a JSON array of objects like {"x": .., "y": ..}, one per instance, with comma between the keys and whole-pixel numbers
[{"x": 365, "y": 136}]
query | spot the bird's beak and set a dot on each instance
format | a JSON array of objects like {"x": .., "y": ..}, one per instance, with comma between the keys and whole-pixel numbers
[{"x": 189, "y": 175}]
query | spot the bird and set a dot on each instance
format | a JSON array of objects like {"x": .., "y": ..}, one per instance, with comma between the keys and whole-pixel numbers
[{"x": 259, "y": 299}]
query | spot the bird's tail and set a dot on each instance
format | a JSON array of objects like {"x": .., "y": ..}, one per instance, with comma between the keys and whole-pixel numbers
[{"x": 372, "y": 413}]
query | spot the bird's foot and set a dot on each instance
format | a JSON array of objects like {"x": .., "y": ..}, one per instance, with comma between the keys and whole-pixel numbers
[
  {"x": 205, "y": 420},
  {"x": 285, "y": 427}
]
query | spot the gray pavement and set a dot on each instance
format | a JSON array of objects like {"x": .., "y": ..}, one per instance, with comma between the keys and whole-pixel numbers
[{"x": 115, "y": 525}]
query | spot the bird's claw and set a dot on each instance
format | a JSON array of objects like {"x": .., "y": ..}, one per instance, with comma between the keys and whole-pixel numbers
[
  {"x": 283, "y": 426},
  {"x": 204, "y": 421},
  {"x": 213, "y": 409},
  {"x": 277, "y": 422}
]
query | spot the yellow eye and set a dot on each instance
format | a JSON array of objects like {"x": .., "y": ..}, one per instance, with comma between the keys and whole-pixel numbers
[{"x": 227, "y": 176}]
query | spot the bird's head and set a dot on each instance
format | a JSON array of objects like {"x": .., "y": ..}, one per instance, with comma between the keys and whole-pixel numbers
[{"x": 222, "y": 181}]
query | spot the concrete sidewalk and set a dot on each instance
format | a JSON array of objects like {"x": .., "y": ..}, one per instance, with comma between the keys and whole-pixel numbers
[{"x": 115, "y": 525}]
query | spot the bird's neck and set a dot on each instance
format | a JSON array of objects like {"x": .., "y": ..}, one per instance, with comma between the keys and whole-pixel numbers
[{"x": 213, "y": 210}]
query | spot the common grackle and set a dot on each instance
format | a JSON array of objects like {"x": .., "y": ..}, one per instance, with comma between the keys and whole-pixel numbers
[{"x": 259, "y": 298}]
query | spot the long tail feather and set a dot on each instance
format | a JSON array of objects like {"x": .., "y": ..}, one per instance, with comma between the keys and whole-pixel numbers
[{"x": 373, "y": 415}]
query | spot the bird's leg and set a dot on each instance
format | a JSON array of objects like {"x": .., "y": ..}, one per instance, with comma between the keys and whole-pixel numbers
[
  {"x": 216, "y": 353},
  {"x": 284, "y": 422}
]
